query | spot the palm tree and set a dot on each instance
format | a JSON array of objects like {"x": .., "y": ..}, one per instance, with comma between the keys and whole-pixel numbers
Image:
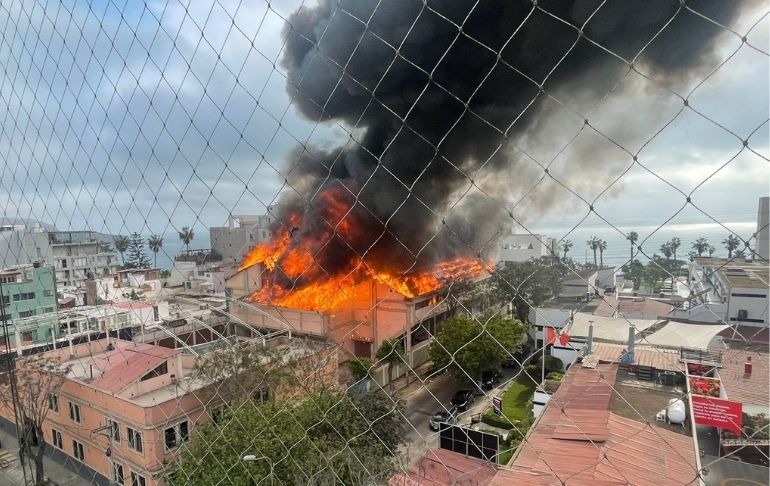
[
  {"x": 593, "y": 244},
  {"x": 665, "y": 248},
  {"x": 700, "y": 246},
  {"x": 675, "y": 244},
  {"x": 731, "y": 243},
  {"x": 633, "y": 237},
  {"x": 602, "y": 247},
  {"x": 155, "y": 242},
  {"x": 566, "y": 245},
  {"x": 187, "y": 235},
  {"x": 711, "y": 249},
  {"x": 121, "y": 244}
]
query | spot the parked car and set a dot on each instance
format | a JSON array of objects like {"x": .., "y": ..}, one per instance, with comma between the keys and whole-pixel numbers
[
  {"x": 490, "y": 379},
  {"x": 463, "y": 399},
  {"x": 443, "y": 417},
  {"x": 509, "y": 363}
]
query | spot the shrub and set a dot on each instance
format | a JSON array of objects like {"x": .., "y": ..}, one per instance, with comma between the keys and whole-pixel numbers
[
  {"x": 360, "y": 368},
  {"x": 554, "y": 375},
  {"x": 552, "y": 363}
]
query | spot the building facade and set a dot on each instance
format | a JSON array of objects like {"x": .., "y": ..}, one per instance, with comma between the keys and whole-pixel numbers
[
  {"x": 28, "y": 291},
  {"x": 78, "y": 255},
  {"x": 240, "y": 235}
]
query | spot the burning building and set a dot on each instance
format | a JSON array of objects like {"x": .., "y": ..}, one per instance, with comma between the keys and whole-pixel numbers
[{"x": 446, "y": 109}]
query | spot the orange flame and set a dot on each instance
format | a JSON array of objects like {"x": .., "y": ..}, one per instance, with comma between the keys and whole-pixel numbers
[{"x": 306, "y": 285}]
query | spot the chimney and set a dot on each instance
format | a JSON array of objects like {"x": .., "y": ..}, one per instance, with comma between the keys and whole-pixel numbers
[
  {"x": 747, "y": 366},
  {"x": 590, "y": 342}
]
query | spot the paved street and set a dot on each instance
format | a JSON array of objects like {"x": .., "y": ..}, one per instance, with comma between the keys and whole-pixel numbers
[{"x": 423, "y": 400}]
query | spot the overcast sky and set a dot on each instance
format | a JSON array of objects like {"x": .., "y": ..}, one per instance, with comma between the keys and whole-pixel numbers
[{"x": 119, "y": 117}]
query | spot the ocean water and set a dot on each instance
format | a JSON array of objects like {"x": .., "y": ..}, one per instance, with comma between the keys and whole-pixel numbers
[{"x": 618, "y": 250}]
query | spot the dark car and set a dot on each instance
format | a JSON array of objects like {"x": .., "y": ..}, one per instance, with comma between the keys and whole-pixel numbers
[
  {"x": 509, "y": 363},
  {"x": 463, "y": 399},
  {"x": 443, "y": 417},
  {"x": 490, "y": 379}
]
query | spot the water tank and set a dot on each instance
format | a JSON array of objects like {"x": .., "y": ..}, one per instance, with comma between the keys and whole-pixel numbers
[{"x": 676, "y": 411}]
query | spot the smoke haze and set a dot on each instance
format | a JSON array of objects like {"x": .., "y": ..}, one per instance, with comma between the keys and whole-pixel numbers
[{"x": 440, "y": 123}]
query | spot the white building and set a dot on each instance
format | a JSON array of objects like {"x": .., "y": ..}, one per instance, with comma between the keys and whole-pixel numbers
[
  {"x": 78, "y": 254},
  {"x": 524, "y": 247},
  {"x": 581, "y": 285},
  {"x": 240, "y": 235},
  {"x": 763, "y": 229},
  {"x": 729, "y": 291}
]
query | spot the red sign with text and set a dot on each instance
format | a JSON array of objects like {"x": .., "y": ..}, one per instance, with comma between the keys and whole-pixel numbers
[{"x": 718, "y": 413}]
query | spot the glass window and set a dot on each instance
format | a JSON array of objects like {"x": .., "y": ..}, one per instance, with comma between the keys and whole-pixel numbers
[
  {"x": 134, "y": 439},
  {"x": 53, "y": 402},
  {"x": 176, "y": 435},
  {"x": 117, "y": 473},
  {"x": 137, "y": 479},
  {"x": 57, "y": 439},
  {"x": 78, "y": 451},
  {"x": 75, "y": 412},
  {"x": 113, "y": 430}
]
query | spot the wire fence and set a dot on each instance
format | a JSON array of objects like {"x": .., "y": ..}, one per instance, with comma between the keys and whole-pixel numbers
[{"x": 279, "y": 243}]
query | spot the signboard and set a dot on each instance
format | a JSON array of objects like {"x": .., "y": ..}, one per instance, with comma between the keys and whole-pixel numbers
[
  {"x": 469, "y": 442},
  {"x": 497, "y": 405},
  {"x": 745, "y": 442},
  {"x": 714, "y": 412}
]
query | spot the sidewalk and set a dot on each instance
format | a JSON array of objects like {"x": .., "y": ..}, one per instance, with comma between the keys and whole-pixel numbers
[{"x": 59, "y": 474}]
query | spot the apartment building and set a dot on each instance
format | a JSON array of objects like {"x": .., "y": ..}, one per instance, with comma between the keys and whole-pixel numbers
[
  {"x": 28, "y": 290},
  {"x": 127, "y": 409},
  {"x": 731, "y": 291},
  {"x": 524, "y": 247},
  {"x": 78, "y": 254},
  {"x": 240, "y": 235}
]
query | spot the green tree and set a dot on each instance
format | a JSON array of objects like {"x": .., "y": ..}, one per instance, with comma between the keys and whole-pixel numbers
[
  {"x": 137, "y": 258},
  {"x": 731, "y": 243},
  {"x": 531, "y": 283},
  {"x": 186, "y": 235},
  {"x": 633, "y": 237},
  {"x": 326, "y": 438},
  {"x": 634, "y": 271},
  {"x": 711, "y": 249},
  {"x": 593, "y": 244},
  {"x": 390, "y": 352},
  {"x": 566, "y": 246},
  {"x": 467, "y": 345},
  {"x": 700, "y": 246},
  {"x": 121, "y": 245},
  {"x": 155, "y": 242},
  {"x": 360, "y": 368},
  {"x": 675, "y": 243}
]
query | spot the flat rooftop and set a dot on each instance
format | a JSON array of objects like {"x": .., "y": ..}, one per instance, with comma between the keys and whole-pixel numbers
[{"x": 739, "y": 273}]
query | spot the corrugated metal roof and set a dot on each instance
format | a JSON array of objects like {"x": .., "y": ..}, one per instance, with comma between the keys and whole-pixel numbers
[
  {"x": 614, "y": 450},
  {"x": 440, "y": 467},
  {"x": 658, "y": 358}
]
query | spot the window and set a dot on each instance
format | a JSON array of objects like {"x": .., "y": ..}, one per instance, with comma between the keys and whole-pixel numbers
[
  {"x": 48, "y": 293},
  {"x": 161, "y": 369},
  {"x": 177, "y": 435},
  {"x": 53, "y": 402},
  {"x": 78, "y": 451},
  {"x": 49, "y": 309},
  {"x": 113, "y": 430},
  {"x": 117, "y": 473},
  {"x": 28, "y": 313},
  {"x": 23, "y": 296},
  {"x": 75, "y": 412},
  {"x": 134, "y": 439},
  {"x": 56, "y": 439},
  {"x": 137, "y": 479}
]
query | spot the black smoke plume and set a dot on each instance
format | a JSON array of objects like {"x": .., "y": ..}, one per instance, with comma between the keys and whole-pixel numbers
[{"x": 436, "y": 95}]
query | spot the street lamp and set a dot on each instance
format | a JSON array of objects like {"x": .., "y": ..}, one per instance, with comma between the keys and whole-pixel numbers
[{"x": 253, "y": 458}]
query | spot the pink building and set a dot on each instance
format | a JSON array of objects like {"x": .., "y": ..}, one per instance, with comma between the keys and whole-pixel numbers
[{"x": 124, "y": 408}]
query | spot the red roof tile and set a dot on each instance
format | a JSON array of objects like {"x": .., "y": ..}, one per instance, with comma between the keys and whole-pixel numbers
[{"x": 442, "y": 467}]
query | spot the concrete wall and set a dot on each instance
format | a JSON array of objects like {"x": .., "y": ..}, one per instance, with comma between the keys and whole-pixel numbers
[
  {"x": 524, "y": 247},
  {"x": 41, "y": 283}
]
